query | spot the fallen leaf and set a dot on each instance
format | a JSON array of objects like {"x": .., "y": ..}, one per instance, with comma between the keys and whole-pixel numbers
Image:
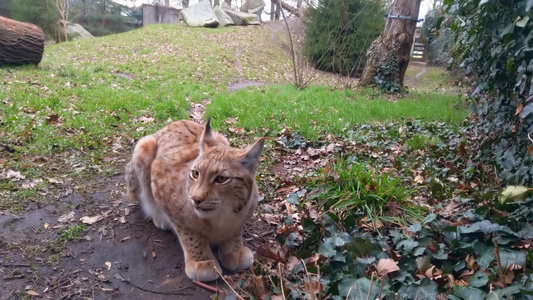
[
  {"x": 14, "y": 175},
  {"x": 66, "y": 217},
  {"x": 108, "y": 264},
  {"x": 52, "y": 119},
  {"x": 32, "y": 293},
  {"x": 153, "y": 254},
  {"x": 46, "y": 225},
  {"x": 386, "y": 266},
  {"x": 255, "y": 285},
  {"x": 519, "y": 108},
  {"x": 55, "y": 181},
  {"x": 91, "y": 220},
  {"x": 292, "y": 261},
  {"x": 419, "y": 179},
  {"x": 122, "y": 220}
]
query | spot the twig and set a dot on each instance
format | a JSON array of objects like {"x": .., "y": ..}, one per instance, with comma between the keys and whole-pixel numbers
[
  {"x": 311, "y": 290},
  {"x": 281, "y": 277},
  {"x": 370, "y": 287},
  {"x": 227, "y": 283},
  {"x": 208, "y": 287},
  {"x": 498, "y": 260},
  {"x": 175, "y": 292},
  {"x": 381, "y": 287},
  {"x": 296, "y": 77}
]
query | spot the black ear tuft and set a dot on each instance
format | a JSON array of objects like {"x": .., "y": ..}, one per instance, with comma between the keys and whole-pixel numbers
[
  {"x": 208, "y": 138},
  {"x": 207, "y": 128}
]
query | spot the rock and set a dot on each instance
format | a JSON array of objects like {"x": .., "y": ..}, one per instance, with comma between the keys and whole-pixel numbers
[
  {"x": 200, "y": 15},
  {"x": 77, "y": 32},
  {"x": 225, "y": 6},
  {"x": 223, "y": 18},
  {"x": 255, "y": 6},
  {"x": 242, "y": 18}
]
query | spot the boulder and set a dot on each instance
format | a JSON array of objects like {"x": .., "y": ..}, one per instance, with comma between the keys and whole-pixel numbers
[
  {"x": 200, "y": 15},
  {"x": 225, "y": 6},
  {"x": 255, "y": 6},
  {"x": 77, "y": 32},
  {"x": 242, "y": 18},
  {"x": 223, "y": 18}
]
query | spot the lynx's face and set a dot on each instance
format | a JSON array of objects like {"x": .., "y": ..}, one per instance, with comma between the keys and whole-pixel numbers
[
  {"x": 220, "y": 183},
  {"x": 222, "y": 178}
]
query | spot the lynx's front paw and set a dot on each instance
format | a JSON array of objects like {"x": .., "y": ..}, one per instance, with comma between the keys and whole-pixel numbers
[
  {"x": 202, "y": 270},
  {"x": 238, "y": 260}
]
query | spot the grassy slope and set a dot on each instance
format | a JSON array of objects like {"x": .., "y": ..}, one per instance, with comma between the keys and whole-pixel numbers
[{"x": 88, "y": 100}]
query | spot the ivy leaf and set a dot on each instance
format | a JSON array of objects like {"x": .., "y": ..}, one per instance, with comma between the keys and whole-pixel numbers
[
  {"x": 529, "y": 5},
  {"x": 408, "y": 245},
  {"x": 427, "y": 289},
  {"x": 326, "y": 248},
  {"x": 416, "y": 227},
  {"x": 429, "y": 218},
  {"x": 485, "y": 254},
  {"x": 293, "y": 199},
  {"x": 513, "y": 192},
  {"x": 478, "y": 280},
  {"x": 358, "y": 289},
  {"x": 509, "y": 258},
  {"x": 468, "y": 293},
  {"x": 487, "y": 227},
  {"x": 522, "y": 22}
]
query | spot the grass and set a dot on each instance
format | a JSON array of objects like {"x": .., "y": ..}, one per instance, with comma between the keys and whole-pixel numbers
[
  {"x": 319, "y": 110},
  {"x": 72, "y": 232},
  {"x": 354, "y": 189},
  {"x": 89, "y": 100}
]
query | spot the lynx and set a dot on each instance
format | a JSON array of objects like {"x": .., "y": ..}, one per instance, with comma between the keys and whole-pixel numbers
[{"x": 189, "y": 179}]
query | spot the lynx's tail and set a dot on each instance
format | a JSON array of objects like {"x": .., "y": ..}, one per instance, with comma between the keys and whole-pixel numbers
[{"x": 138, "y": 170}]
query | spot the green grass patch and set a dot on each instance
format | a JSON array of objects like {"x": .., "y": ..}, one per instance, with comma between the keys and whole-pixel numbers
[
  {"x": 353, "y": 189},
  {"x": 72, "y": 232},
  {"x": 320, "y": 110}
]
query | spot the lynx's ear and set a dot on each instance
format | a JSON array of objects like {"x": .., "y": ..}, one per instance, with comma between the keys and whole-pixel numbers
[
  {"x": 207, "y": 139},
  {"x": 253, "y": 153}
]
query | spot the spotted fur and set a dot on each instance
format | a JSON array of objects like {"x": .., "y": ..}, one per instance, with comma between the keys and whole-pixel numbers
[{"x": 187, "y": 177}]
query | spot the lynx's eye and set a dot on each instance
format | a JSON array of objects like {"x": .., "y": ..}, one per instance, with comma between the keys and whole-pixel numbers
[
  {"x": 195, "y": 174},
  {"x": 221, "y": 179}
]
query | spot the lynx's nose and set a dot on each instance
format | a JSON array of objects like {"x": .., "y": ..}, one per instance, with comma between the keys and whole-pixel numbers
[{"x": 197, "y": 199}]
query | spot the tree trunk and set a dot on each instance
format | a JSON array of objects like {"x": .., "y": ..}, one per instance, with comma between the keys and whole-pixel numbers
[
  {"x": 20, "y": 43},
  {"x": 389, "y": 54}
]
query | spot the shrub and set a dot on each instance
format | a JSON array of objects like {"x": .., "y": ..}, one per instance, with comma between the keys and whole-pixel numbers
[{"x": 339, "y": 32}]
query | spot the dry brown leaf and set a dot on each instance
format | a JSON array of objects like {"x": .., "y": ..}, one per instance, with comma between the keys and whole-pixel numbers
[
  {"x": 32, "y": 293},
  {"x": 66, "y": 217},
  {"x": 471, "y": 262},
  {"x": 292, "y": 261},
  {"x": 386, "y": 266},
  {"x": 418, "y": 179},
  {"x": 91, "y": 220},
  {"x": 519, "y": 108},
  {"x": 255, "y": 285}
]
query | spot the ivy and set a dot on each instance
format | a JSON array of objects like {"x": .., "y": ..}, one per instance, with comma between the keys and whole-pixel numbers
[{"x": 495, "y": 48}]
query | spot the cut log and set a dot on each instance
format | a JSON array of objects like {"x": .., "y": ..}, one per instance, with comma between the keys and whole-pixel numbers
[{"x": 20, "y": 43}]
